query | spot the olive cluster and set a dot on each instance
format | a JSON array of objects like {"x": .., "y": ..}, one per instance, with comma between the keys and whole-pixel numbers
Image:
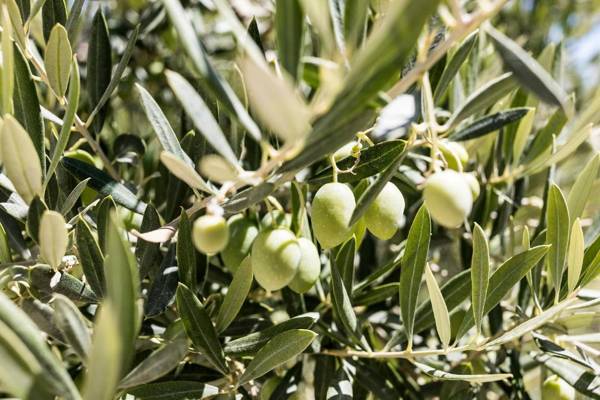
[{"x": 279, "y": 258}]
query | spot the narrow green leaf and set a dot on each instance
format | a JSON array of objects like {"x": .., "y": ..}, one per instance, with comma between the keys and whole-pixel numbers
[
  {"x": 159, "y": 363},
  {"x": 289, "y": 24},
  {"x": 252, "y": 342},
  {"x": 161, "y": 126},
  {"x": 544, "y": 138},
  {"x": 58, "y": 60},
  {"x": 522, "y": 135},
  {"x": 53, "y": 12},
  {"x": 344, "y": 263},
  {"x": 484, "y": 97},
  {"x": 72, "y": 198},
  {"x": 276, "y": 102},
  {"x": 103, "y": 211},
  {"x": 186, "y": 253},
  {"x": 532, "y": 323},
  {"x": 371, "y": 162},
  {"x": 355, "y": 23},
  {"x": 480, "y": 271},
  {"x": 184, "y": 171},
  {"x": 277, "y": 351},
  {"x": 7, "y": 62},
  {"x": 453, "y": 66},
  {"x": 74, "y": 17},
  {"x": 575, "y": 255},
  {"x": 163, "y": 285},
  {"x": 36, "y": 209},
  {"x": 440, "y": 310},
  {"x": 54, "y": 238},
  {"x": 377, "y": 294},
  {"x": 200, "y": 115},
  {"x": 502, "y": 281},
  {"x": 90, "y": 257},
  {"x": 116, "y": 76},
  {"x": 99, "y": 64},
  {"x": 24, "y": 8},
  {"x": 67, "y": 122},
  {"x": 174, "y": 390},
  {"x": 413, "y": 264},
  {"x": 582, "y": 379},
  {"x": 103, "y": 183},
  {"x": 55, "y": 374},
  {"x": 557, "y": 222},
  {"x": 220, "y": 88},
  {"x": 582, "y": 188},
  {"x": 527, "y": 70},
  {"x": 475, "y": 378},
  {"x": 27, "y": 105},
  {"x": 73, "y": 326},
  {"x": 343, "y": 306},
  {"x": 199, "y": 328},
  {"x": 236, "y": 295},
  {"x": 147, "y": 253},
  {"x": 20, "y": 159},
  {"x": 489, "y": 124}
]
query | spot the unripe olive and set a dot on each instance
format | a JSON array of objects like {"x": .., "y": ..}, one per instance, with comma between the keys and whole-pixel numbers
[
  {"x": 473, "y": 184},
  {"x": 242, "y": 232},
  {"x": 308, "y": 269},
  {"x": 384, "y": 215},
  {"x": 276, "y": 219},
  {"x": 332, "y": 208},
  {"x": 557, "y": 389},
  {"x": 275, "y": 258},
  {"x": 210, "y": 234},
  {"x": 454, "y": 153},
  {"x": 448, "y": 198}
]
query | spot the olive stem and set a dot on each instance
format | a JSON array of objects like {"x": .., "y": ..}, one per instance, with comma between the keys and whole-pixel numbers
[{"x": 334, "y": 168}]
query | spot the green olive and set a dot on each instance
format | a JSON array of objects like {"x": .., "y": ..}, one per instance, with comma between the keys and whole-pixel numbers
[
  {"x": 242, "y": 232},
  {"x": 210, "y": 234},
  {"x": 276, "y": 219},
  {"x": 308, "y": 269},
  {"x": 275, "y": 258},
  {"x": 473, "y": 184},
  {"x": 454, "y": 153},
  {"x": 557, "y": 389},
  {"x": 332, "y": 208},
  {"x": 448, "y": 198},
  {"x": 384, "y": 215}
]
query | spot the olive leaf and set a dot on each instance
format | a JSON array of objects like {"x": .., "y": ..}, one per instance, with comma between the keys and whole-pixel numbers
[
  {"x": 489, "y": 124},
  {"x": 582, "y": 188},
  {"x": 199, "y": 328},
  {"x": 344, "y": 263},
  {"x": 371, "y": 161},
  {"x": 54, "y": 378},
  {"x": 73, "y": 326},
  {"x": 575, "y": 254},
  {"x": 67, "y": 122},
  {"x": 377, "y": 294},
  {"x": 275, "y": 102},
  {"x": 147, "y": 253},
  {"x": 277, "y": 351},
  {"x": 480, "y": 270},
  {"x": 183, "y": 171},
  {"x": 557, "y": 221},
  {"x": 484, "y": 97},
  {"x": 252, "y": 342},
  {"x": 440, "y": 310},
  {"x": 527, "y": 70},
  {"x": 236, "y": 295},
  {"x": 99, "y": 64},
  {"x": 289, "y": 24},
  {"x": 414, "y": 261},
  {"x": 475, "y": 378},
  {"x": 73, "y": 197},
  {"x": 343, "y": 307},
  {"x": 456, "y": 61},
  {"x": 522, "y": 135},
  {"x": 16, "y": 20},
  {"x": 103, "y": 183},
  {"x": 57, "y": 59},
  {"x": 26, "y": 103},
  {"x": 219, "y": 87},
  {"x": 582, "y": 379},
  {"x": 503, "y": 279},
  {"x": 20, "y": 159},
  {"x": 185, "y": 252},
  {"x": 53, "y": 12},
  {"x": 54, "y": 238}
]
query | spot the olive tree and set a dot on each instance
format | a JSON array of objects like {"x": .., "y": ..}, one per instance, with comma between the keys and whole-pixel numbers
[{"x": 294, "y": 199}]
